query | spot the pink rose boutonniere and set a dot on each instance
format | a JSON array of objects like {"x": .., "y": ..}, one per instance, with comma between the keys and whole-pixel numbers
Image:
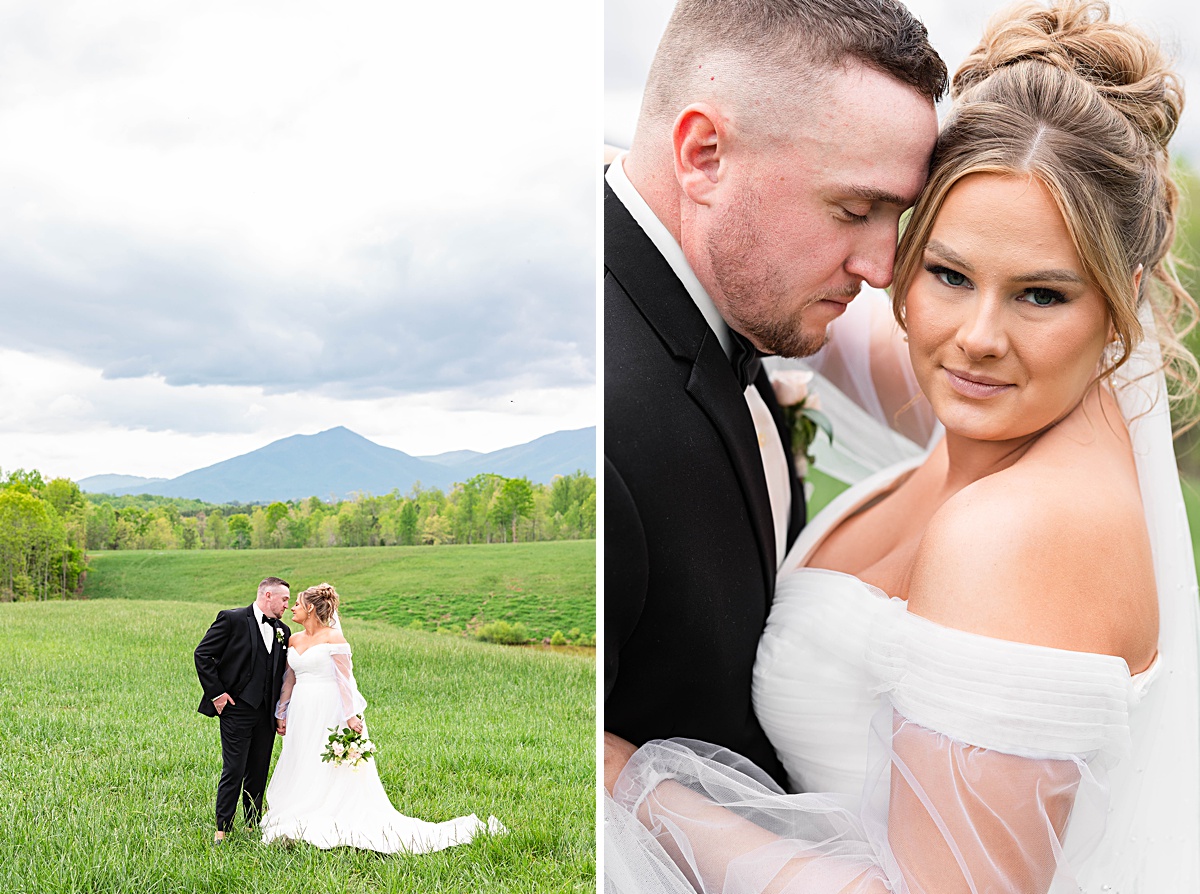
[{"x": 802, "y": 410}]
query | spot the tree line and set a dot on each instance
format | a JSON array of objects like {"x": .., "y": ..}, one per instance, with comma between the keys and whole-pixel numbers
[
  {"x": 42, "y": 536},
  {"x": 484, "y": 509},
  {"x": 46, "y": 527}
]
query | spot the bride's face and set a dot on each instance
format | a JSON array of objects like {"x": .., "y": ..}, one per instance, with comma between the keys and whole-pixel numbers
[
  {"x": 299, "y": 611},
  {"x": 1004, "y": 328}
]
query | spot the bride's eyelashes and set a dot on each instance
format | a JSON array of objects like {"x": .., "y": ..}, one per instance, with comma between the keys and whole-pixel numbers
[
  {"x": 1037, "y": 296},
  {"x": 947, "y": 276}
]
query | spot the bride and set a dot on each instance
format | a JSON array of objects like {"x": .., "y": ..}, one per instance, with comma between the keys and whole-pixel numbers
[
  {"x": 322, "y": 803},
  {"x": 981, "y": 665}
]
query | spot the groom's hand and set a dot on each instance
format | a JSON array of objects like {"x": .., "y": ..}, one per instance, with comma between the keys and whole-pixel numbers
[
  {"x": 281, "y": 727},
  {"x": 222, "y": 700},
  {"x": 617, "y": 753}
]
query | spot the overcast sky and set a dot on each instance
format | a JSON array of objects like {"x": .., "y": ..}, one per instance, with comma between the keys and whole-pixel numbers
[
  {"x": 223, "y": 223},
  {"x": 632, "y": 29}
]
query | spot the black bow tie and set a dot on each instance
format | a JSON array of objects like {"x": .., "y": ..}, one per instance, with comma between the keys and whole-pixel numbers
[
  {"x": 267, "y": 619},
  {"x": 745, "y": 359}
]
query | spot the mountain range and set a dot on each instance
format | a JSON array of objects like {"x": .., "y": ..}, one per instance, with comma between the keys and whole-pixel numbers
[{"x": 337, "y": 463}]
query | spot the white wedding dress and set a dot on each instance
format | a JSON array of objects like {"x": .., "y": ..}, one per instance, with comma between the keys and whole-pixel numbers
[
  {"x": 329, "y": 805},
  {"x": 934, "y": 759}
]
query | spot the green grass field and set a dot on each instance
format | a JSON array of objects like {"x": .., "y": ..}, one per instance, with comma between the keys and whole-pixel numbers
[
  {"x": 109, "y": 774},
  {"x": 546, "y": 586}
]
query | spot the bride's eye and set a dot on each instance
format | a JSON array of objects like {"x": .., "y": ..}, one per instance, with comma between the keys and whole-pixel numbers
[
  {"x": 950, "y": 277},
  {"x": 1042, "y": 297}
]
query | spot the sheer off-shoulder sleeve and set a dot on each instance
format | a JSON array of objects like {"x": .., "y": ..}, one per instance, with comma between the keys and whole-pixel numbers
[
  {"x": 343, "y": 668},
  {"x": 285, "y": 694},
  {"x": 987, "y": 767},
  {"x": 993, "y": 771}
]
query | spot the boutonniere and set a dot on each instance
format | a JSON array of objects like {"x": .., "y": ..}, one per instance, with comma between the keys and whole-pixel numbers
[
  {"x": 279, "y": 635},
  {"x": 802, "y": 411}
]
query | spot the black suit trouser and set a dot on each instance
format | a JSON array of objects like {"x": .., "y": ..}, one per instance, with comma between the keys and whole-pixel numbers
[{"x": 247, "y": 738}]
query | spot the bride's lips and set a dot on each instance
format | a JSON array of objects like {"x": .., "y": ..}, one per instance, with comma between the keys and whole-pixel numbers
[{"x": 975, "y": 385}]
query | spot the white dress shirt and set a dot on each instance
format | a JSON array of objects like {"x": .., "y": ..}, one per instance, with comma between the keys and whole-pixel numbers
[
  {"x": 267, "y": 630},
  {"x": 774, "y": 460}
]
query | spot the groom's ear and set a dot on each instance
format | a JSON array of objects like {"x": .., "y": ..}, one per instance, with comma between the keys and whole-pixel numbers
[{"x": 699, "y": 139}]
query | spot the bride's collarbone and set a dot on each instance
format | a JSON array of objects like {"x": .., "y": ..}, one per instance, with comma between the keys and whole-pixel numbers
[
  {"x": 301, "y": 642},
  {"x": 878, "y": 540}
]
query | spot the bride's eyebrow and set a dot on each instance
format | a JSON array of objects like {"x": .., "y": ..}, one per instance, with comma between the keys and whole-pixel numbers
[
  {"x": 1053, "y": 275},
  {"x": 949, "y": 255}
]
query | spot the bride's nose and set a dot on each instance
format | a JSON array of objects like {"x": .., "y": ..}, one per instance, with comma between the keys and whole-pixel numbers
[{"x": 981, "y": 332}]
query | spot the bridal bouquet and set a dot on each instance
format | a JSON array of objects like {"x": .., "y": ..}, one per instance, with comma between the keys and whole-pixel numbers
[
  {"x": 347, "y": 748},
  {"x": 802, "y": 410}
]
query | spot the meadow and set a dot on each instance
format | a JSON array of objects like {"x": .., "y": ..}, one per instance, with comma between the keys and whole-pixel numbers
[
  {"x": 547, "y": 586},
  {"x": 109, "y": 774}
]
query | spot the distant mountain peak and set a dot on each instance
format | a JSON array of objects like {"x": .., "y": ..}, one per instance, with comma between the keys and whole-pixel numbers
[{"x": 339, "y": 462}]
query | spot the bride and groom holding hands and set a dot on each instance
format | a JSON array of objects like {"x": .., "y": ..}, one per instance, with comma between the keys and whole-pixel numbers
[
  {"x": 259, "y": 680},
  {"x": 976, "y": 669}
]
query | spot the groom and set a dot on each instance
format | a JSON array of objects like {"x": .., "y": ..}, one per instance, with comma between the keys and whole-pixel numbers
[
  {"x": 778, "y": 143},
  {"x": 240, "y": 662}
]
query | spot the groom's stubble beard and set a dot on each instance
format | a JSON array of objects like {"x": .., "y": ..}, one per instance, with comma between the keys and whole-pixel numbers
[{"x": 755, "y": 297}]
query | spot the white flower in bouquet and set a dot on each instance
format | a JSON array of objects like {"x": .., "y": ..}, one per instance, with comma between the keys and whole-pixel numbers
[{"x": 345, "y": 746}]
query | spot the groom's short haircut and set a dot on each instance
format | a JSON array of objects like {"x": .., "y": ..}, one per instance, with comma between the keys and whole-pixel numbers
[
  {"x": 755, "y": 53},
  {"x": 270, "y": 583}
]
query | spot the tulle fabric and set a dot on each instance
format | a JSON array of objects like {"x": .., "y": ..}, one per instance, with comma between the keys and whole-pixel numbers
[
  {"x": 986, "y": 808},
  {"x": 987, "y": 765},
  {"x": 335, "y": 806}
]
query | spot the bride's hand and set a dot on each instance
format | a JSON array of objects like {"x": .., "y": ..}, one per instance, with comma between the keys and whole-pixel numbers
[{"x": 355, "y": 723}]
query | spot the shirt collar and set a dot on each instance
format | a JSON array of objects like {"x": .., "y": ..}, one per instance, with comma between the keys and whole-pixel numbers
[
  {"x": 258, "y": 613},
  {"x": 658, "y": 234}
]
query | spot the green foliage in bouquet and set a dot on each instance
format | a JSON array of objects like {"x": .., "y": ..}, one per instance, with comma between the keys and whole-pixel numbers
[{"x": 346, "y": 747}]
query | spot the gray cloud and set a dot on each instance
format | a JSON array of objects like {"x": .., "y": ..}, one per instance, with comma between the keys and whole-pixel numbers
[{"x": 493, "y": 303}]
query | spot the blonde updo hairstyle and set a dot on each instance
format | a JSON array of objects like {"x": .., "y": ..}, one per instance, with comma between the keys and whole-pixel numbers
[
  {"x": 323, "y": 601},
  {"x": 1087, "y": 106}
]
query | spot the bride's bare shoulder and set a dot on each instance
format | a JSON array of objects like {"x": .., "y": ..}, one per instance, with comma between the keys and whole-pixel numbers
[{"x": 1053, "y": 551}]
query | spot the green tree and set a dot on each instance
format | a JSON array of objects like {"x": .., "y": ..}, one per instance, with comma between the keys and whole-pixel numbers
[
  {"x": 33, "y": 542},
  {"x": 189, "y": 533},
  {"x": 514, "y": 502},
  {"x": 409, "y": 515},
  {"x": 241, "y": 531},
  {"x": 101, "y": 526},
  {"x": 64, "y": 495},
  {"x": 277, "y": 515},
  {"x": 216, "y": 530}
]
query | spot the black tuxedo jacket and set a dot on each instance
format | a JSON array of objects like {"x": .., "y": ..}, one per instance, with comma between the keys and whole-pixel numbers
[
  {"x": 226, "y": 654},
  {"x": 689, "y": 552}
]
